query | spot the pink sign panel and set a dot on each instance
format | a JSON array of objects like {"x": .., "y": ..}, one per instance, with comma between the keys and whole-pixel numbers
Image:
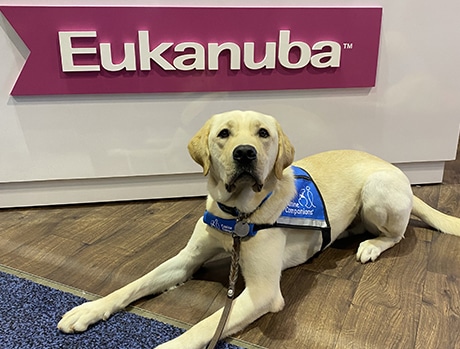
[{"x": 92, "y": 50}]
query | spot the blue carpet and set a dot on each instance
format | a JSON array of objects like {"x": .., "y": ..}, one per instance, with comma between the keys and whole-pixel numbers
[{"x": 29, "y": 313}]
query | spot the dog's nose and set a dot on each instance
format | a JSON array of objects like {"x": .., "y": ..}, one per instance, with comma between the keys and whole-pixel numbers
[{"x": 244, "y": 154}]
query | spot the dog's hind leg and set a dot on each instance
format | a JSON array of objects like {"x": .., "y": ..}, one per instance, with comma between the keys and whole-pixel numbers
[{"x": 385, "y": 212}]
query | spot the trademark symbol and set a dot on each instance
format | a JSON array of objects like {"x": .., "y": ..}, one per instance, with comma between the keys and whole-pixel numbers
[{"x": 347, "y": 45}]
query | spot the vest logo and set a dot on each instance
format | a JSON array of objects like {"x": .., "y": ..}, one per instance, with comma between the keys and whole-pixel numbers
[
  {"x": 109, "y": 50},
  {"x": 307, "y": 207},
  {"x": 323, "y": 54}
]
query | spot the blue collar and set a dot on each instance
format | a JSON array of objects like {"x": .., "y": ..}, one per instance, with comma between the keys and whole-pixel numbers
[
  {"x": 227, "y": 225},
  {"x": 237, "y": 225}
]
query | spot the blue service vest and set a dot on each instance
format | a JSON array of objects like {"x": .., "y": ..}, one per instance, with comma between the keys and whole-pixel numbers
[{"x": 306, "y": 210}]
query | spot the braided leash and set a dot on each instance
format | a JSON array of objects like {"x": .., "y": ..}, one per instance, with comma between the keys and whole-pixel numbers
[{"x": 233, "y": 277}]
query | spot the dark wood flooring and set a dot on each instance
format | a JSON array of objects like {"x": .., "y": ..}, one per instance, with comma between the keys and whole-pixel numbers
[{"x": 408, "y": 298}]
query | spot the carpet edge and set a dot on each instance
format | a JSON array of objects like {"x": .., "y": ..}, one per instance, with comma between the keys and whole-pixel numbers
[{"x": 131, "y": 309}]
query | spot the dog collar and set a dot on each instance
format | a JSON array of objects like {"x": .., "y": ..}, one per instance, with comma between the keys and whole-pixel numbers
[
  {"x": 230, "y": 226},
  {"x": 236, "y": 226}
]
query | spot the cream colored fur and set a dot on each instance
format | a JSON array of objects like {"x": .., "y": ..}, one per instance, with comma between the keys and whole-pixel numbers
[{"x": 353, "y": 184}]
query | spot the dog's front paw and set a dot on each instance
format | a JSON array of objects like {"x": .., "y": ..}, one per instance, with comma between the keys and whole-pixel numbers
[
  {"x": 368, "y": 251},
  {"x": 176, "y": 343},
  {"x": 79, "y": 318},
  {"x": 188, "y": 340}
]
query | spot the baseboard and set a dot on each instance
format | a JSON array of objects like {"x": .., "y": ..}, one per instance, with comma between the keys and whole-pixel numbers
[
  {"x": 73, "y": 191},
  {"x": 423, "y": 172}
]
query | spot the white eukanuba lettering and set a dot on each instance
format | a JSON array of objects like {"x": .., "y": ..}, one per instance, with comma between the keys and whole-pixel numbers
[{"x": 196, "y": 56}]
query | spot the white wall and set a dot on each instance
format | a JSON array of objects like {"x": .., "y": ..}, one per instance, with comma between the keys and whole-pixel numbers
[{"x": 61, "y": 149}]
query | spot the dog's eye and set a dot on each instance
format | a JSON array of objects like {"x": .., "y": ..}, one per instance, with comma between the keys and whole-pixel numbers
[
  {"x": 225, "y": 133},
  {"x": 263, "y": 133}
]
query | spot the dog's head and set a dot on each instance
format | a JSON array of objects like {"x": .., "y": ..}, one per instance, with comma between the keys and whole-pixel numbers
[{"x": 241, "y": 150}]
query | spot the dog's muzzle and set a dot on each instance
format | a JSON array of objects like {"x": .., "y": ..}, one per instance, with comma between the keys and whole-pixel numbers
[{"x": 245, "y": 159}]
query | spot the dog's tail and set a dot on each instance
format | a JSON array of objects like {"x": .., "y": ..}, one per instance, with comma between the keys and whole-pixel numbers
[{"x": 438, "y": 220}]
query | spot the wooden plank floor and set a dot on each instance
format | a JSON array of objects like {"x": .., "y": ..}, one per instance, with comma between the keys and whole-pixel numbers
[{"x": 408, "y": 298}]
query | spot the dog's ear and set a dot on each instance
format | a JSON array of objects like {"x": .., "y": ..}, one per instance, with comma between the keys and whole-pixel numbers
[
  {"x": 199, "y": 149},
  {"x": 285, "y": 153}
]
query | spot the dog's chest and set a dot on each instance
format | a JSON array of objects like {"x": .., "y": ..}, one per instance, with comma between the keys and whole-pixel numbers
[{"x": 305, "y": 211}]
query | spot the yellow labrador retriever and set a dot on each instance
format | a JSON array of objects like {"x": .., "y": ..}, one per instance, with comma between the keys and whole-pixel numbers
[{"x": 247, "y": 158}]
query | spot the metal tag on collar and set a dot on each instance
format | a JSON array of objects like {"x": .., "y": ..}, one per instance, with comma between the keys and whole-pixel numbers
[
  {"x": 241, "y": 229},
  {"x": 241, "y": 226}
]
